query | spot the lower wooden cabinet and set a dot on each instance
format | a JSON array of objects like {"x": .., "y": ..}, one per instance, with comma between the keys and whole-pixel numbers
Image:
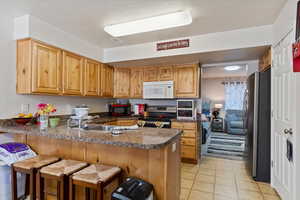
[
  {"x": 121, "y": 122},
  {"x": 190, "y": 141}
]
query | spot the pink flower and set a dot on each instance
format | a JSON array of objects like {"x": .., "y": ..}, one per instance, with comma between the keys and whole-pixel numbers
[{"x": 41, "y": 105}]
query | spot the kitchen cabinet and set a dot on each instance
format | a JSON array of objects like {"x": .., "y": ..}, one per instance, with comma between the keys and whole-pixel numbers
[
  {"x": 187, "y": 81},
  {"x": 72, "y": 73},
  {"x": 38, "y": 68},
  {"x": 265, "y": 61},
  {"x": 107, "y": 81},
  {"x": 136, "y": 82},
  {"x": 91, "y": 78},
  {"x": 150, "y": 74},
  {"x": 122, "y": 82},
  {"x": 165, "y": 73},
  {"x": 190, "y": 141}
]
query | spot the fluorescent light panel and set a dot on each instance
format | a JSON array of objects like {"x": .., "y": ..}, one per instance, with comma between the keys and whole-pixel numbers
[
  {"x": 232, "y": 68},
  {"x": 150, "y": 24}
]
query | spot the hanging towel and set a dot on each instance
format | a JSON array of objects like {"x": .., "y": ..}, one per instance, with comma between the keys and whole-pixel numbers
[{"x": 13, "y": 152}]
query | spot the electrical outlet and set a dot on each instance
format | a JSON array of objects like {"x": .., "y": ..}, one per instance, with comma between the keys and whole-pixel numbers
[
  {"x": 174, "y": 147},
  {"x": 25, "y": 108}
]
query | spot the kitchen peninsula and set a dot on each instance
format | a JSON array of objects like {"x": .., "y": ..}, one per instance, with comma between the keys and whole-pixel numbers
[{"x": 152, "y": 154}]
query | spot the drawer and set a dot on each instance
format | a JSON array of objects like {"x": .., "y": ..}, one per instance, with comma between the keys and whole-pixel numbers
[
  {"x": 190, "y": 125},
  {"x": 188, "y": 152},
  {"x": 126, "y": 122},
  {"x": 189, "y": 133},
  {"x": 188, "y": 141},
  {"x": 177, "y": 125}
]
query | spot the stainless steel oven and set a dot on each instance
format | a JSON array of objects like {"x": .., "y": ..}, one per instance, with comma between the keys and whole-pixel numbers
[{"x": 186, "y": 109}]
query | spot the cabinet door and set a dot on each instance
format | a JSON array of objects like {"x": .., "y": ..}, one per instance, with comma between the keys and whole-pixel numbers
[
  {"x": 166, "y": 73},
  {"x": 150, "y": 74},
  {"x": 122, "y": 82},
  {"x": 136, "y": 81},
  {"x": 72, "y": 74},
  {"x": 91, "y": 78},
  {"x": 46, "y": 69},
  {"x": 187, "y": 81},
  {"x": 107, "y": 73}
]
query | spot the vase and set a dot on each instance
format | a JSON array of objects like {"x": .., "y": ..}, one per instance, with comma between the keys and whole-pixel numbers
[{"x": 44, "y": 121}]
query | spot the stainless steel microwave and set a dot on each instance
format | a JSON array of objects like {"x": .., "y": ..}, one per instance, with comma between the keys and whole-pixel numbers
[{"x": 186, "y": 109}]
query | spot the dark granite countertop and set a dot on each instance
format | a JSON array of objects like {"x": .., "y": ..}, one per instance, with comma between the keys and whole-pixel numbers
[{"x": 144, "y": 138}]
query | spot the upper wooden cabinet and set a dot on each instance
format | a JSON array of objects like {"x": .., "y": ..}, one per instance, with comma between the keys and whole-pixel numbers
[
  {"x": 38, "y": 68},
  {"x": 107, "y": 81},
  {"x": 136, "y": 82},
  {"x": 92, "y": 83},
  {"x": 122, "y": 82},
  {"x": 44, "y": 69},
  {"x": 265, "y": 61},
  {"x": 72, "y": 74},
  {"x": 150, "y": 74},
  {"x": 186, "y": 80},
  {"x": 165, "y": 73}
]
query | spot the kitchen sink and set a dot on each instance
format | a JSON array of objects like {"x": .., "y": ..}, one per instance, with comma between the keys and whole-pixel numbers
[{"x": 93, "y": 127}]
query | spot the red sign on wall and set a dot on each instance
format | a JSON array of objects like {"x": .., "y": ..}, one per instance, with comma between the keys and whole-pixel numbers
[
  {"x": 296, "y": 55},
  {"x": 173, "y": 45}
]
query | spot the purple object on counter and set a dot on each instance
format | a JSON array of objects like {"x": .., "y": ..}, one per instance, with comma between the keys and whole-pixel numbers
[{"x": 14, "y": 147}]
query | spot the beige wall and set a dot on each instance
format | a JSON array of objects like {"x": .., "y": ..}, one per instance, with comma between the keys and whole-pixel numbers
[
  {"x": 213, "y": 89},
  {"x": 10, "y": 102}
]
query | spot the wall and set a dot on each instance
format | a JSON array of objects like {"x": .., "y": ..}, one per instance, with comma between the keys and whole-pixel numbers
[
  {"x": 214, "y": 90},
  {"x": 236, "y": 39},
  {"x": 10, "y": 102}
]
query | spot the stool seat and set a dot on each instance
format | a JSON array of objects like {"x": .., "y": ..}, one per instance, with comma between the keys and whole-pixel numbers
[
  {"x": 63, "y": 167},
  {"x": 35, "y": 162},
  {"x": 96, "y": 173}
]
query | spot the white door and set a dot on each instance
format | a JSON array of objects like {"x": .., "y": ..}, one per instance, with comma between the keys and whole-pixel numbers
[{"x": 283, "y": 117}]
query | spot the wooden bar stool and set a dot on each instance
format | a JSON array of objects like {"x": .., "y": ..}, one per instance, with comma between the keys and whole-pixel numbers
[
  {"x": 59, "y": 172},
  {"x": 95, "y": 177},
  {"x": 29, "y": 167}
]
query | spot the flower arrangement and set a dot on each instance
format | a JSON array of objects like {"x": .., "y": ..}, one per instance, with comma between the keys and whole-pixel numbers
[{"x": 45, "y": 109}]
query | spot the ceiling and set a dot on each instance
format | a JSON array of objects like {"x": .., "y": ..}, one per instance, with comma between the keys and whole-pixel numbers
[
  {"x": 86, "y": 19},
  {"x": 253, "y": 53}
]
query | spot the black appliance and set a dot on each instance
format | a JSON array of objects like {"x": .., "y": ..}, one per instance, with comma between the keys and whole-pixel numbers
[
  {"x": 119, "y": 110},
  {"x": 133, "y": 189},
  {"x": 158, "y": 117},
  {"x": 258, "y": 122}
]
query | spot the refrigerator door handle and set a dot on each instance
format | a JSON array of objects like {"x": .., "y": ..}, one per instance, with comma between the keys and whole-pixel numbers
[{"x": 255, "y": 124}]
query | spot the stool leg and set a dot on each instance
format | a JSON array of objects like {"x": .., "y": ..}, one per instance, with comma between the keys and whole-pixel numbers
[
  {"x": 32, "y": 185},
  {"x": 14, "y": 184},
  {"x": 27, "y": 185},
  {"x": 62, "y": 188},
  {"x": 87, "y": 193},
  {"x": 40, "y": 186},
  {"x": 71, "y": 188},
  {"x": 99, "y": 192}
]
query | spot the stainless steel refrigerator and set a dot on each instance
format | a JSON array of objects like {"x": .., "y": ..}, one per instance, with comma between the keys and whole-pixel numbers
[{"x": 258, "y": 123}]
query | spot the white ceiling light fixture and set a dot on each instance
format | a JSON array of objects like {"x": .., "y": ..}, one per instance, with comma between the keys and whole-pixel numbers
[
  {"x": 171, "y": 20},
  {"x": 232, "y": 68}
]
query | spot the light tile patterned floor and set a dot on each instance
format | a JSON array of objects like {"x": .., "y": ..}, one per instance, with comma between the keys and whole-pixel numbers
[{"x": 221, "y": 179}]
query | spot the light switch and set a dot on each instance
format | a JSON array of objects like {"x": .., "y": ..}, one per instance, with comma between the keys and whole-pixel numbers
[{"x": 25, "y": 108}]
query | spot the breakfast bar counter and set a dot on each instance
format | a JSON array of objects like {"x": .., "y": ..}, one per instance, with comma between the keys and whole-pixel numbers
[{"x": 151, "y": 154}]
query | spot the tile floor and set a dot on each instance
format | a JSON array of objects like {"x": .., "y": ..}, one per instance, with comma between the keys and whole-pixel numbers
[{"x": 221, "y": 179}]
